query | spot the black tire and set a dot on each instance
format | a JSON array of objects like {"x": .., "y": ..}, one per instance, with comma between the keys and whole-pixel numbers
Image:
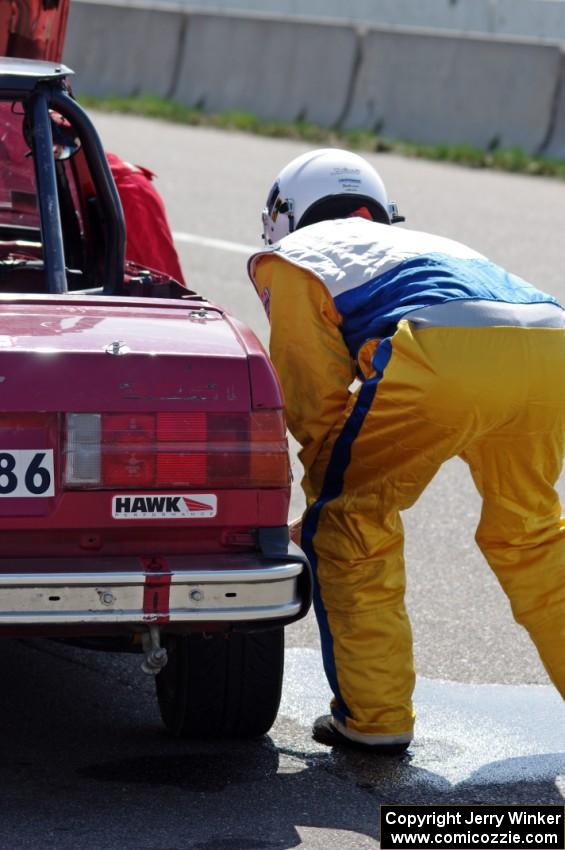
[{"x": 222, "y": 685}]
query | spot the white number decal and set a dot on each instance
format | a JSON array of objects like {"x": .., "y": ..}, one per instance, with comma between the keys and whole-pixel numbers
[{"x": 26, "y": 473}]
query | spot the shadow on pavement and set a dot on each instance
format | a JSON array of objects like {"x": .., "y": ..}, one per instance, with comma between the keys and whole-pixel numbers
[{"x": 86, "y": 766}]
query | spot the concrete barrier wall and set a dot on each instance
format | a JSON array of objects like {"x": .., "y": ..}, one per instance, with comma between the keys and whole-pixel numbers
[
  {"x": 530, "y": 18},
  {"x": 123, "y": 51},
  {"x": 443, "y": 14},
  {"x": 543, "y": 19},
  {"x": 556, "y": 137},
  {"x": 408, "y": 84},
  {"x": 440, "y": 88},
  {"x": 269, "y": 66}
]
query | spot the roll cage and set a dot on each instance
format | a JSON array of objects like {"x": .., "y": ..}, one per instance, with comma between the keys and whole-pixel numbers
[
  {"x": 40, "y": 88},
  {"x": 79, "y": 243}
]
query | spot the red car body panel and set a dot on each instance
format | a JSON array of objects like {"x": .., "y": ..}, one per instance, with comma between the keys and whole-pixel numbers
[
  {"x": 33, "y": 29},
  {"x": 181, "y": 355}
]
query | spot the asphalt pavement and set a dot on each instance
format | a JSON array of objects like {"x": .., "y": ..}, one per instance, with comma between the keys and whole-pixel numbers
[{"x": 85, "y": 763}]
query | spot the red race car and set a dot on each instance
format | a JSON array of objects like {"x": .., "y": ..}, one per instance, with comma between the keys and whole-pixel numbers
[{"x": 144, "y": 470}]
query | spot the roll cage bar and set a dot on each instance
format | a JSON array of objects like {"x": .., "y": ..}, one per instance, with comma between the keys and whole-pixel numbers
[{"x": 40, "y": 87}]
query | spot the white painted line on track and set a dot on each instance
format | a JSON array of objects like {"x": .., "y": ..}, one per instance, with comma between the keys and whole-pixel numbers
[{"x": 220, "y": 244}]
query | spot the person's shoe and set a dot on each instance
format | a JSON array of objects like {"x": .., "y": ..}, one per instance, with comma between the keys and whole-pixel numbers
[{"x": 325, "y": 731}]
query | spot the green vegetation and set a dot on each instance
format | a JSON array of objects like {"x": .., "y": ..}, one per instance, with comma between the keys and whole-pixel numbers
[{"x": 167, "y": 110}]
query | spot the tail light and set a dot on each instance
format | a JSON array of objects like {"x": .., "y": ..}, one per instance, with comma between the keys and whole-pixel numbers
[{"x": 165, "y": 450}]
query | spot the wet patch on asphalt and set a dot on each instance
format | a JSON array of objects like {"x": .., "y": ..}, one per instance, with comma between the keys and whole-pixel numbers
[{"x": 473, "y": 743}]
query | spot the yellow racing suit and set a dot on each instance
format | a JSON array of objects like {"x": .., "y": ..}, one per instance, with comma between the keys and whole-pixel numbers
[{"x": 455, "y": 356}]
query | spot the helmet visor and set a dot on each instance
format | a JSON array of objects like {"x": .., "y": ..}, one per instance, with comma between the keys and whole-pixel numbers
[{"x": 277, "y": 217}]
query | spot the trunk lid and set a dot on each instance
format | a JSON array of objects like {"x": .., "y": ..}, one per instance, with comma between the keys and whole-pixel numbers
[{"x": 94, "y": 354}]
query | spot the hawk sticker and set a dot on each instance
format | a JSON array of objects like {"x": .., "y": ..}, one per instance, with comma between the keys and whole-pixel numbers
[{"x": 177, "y": 506}]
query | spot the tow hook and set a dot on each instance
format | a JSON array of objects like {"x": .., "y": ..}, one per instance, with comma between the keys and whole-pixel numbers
[{"x": 155, "y": 654}]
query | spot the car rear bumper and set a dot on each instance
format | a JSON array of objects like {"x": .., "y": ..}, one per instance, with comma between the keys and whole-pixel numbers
[{"x": 267, "y": 592}]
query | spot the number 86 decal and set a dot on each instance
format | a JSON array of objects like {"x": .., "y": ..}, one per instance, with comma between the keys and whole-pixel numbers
[{"x": 26, "y": 473}]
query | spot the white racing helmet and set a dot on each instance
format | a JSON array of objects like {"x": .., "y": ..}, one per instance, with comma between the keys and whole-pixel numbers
[{"x": 315, "y": 184}]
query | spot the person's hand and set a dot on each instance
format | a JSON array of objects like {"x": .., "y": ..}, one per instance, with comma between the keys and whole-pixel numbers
[{"x": 295, "y": 528}]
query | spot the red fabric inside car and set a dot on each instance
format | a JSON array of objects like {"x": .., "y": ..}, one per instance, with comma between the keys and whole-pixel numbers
[{"x": 149, "y": 239}]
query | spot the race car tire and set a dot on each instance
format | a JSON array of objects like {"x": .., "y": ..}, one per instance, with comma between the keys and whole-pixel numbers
[{"x": 221, "y": 685}]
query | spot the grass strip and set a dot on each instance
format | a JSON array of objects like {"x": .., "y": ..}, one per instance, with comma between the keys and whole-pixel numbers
[{"x": 502, "y": 159}]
